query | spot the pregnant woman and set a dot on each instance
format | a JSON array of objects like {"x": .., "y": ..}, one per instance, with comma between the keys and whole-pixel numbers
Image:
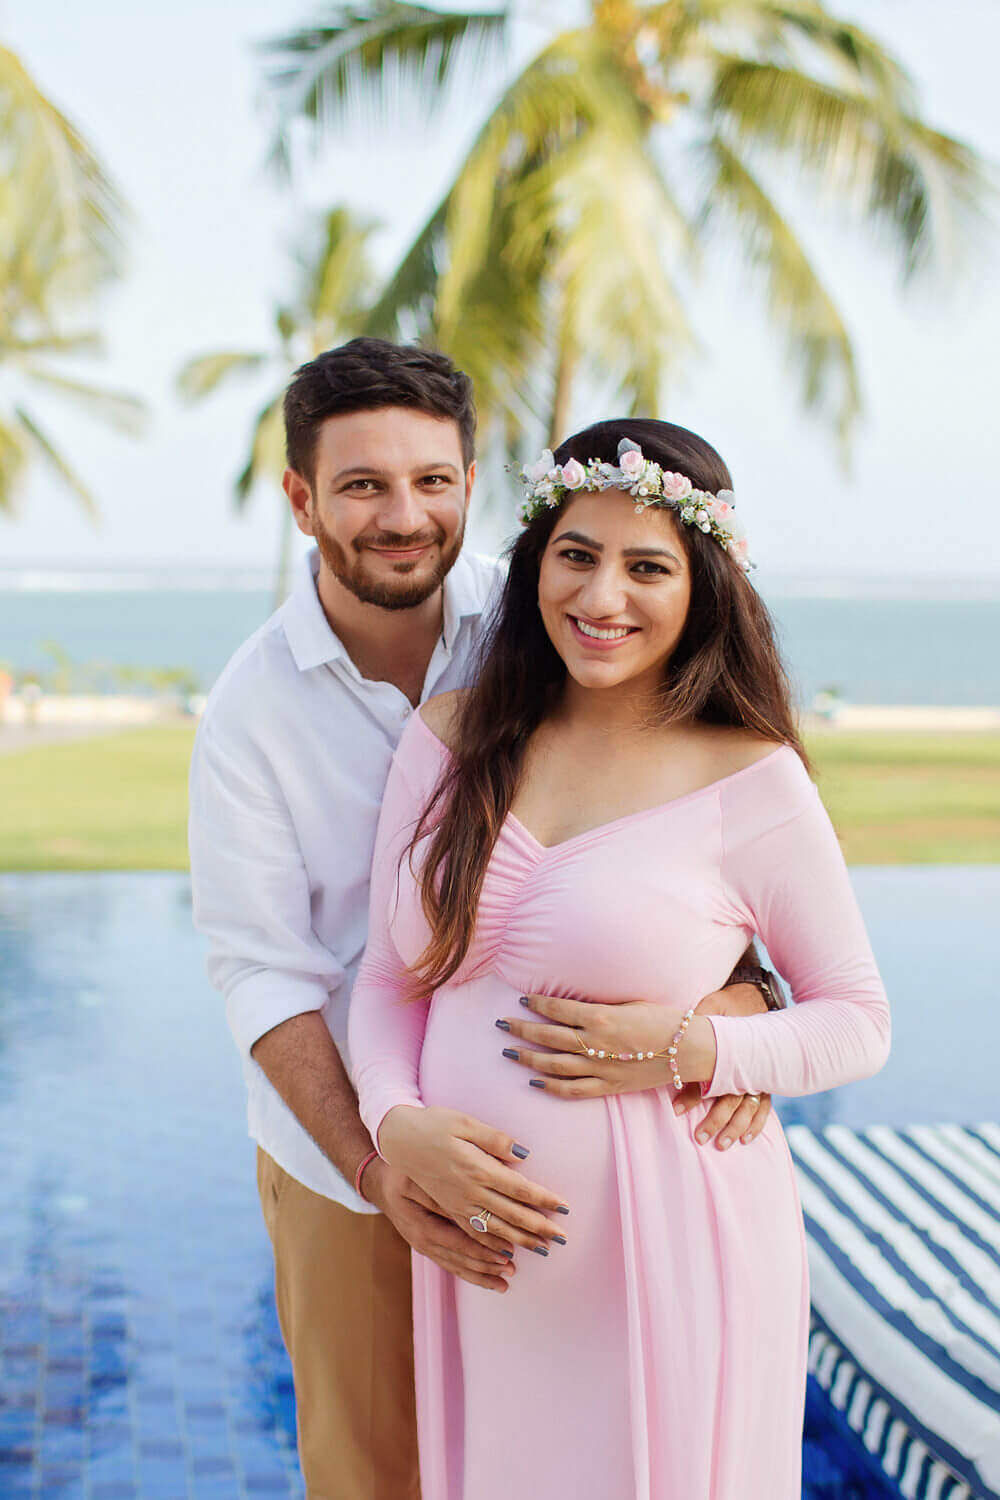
[{"x": 578, "y": 848}]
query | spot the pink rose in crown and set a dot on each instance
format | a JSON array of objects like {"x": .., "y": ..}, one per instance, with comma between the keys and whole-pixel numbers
[
  {"x": 574, "y": 475},
  {"x": 631, "y": 463},
  {"x": 675, "y": 486},
  {"x": 737, "y": 548}
]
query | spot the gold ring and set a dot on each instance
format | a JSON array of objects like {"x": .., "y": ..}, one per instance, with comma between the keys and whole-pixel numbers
[{"x": 480, "y": 1221}]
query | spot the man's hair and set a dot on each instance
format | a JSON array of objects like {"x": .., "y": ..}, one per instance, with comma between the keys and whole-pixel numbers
[{"x": 364, "y": 375}]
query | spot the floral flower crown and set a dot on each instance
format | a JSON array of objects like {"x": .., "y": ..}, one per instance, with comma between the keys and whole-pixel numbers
[{"x": 547, "y": 485}]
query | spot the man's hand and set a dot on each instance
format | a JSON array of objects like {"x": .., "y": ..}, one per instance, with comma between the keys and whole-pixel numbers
[
  {"x": 487, "y": 1262},
  {"x": 732, "y": 1116}
]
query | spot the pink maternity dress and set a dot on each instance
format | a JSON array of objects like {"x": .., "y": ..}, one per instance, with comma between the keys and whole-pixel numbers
[{"x": 660, "y": 1354}]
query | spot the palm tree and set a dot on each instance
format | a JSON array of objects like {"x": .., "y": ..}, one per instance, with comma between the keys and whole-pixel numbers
[
  {"x": 60, "y": 222},
  {"x": 566, "y": 246},
  {"x": 329, "y": 304}
]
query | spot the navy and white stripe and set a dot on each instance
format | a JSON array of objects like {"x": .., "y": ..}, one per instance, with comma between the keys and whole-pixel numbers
[{"x": 904, "y": 1257}]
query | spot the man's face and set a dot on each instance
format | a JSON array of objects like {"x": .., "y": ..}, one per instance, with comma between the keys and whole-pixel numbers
[{"x": 388, "y": 504}]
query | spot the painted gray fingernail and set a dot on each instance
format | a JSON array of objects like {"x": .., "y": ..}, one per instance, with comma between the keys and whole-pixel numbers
[
  {"x": 561, "y": 1208},
  {"x": 520, "y": 1152},
  {"x": 509, "y": 1052},
  {"x": 524, "y": 1000},
  {"x": 560, "y": 1239},
  {"x": 536, "y": 1083},
  {"x": 539, "y": 1249},
  {"x": 508, "y": 1253},
  {"x": 503, "y": 1025}
]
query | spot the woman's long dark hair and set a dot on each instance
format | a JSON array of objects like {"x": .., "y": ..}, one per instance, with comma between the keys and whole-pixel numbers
[{"x": 725, "y": 670}]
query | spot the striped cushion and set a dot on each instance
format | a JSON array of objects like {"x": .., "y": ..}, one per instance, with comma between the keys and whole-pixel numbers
[{"x": 904, "y": 1258}]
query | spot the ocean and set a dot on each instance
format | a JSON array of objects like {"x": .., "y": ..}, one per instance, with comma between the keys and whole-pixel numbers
[{"x": 872, "y": 650}]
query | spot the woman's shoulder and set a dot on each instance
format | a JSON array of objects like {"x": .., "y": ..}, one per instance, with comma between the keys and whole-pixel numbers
[
  {"x": 727, "y": 752},
  {"x": 441, "y": 713},
  {"x": 762, "y": 783}
]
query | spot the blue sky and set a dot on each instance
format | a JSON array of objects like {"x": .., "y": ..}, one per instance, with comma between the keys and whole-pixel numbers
[{"x": 171, "y": 97}]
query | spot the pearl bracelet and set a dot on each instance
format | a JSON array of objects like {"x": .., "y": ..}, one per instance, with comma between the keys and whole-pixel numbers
[
  {"x": 670, "y": 1053},
  {"x": 675, "y": 1042}
]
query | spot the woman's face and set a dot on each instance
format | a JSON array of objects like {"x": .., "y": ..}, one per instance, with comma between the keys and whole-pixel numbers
[{"x": 613, "y": 590}]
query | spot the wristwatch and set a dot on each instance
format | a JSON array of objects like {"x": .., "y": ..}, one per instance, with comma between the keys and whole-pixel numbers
[{"x": 765, "y": 981}]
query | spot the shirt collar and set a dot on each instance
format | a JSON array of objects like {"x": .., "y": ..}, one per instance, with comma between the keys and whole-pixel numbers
[
  {"x": 312, "y": 641},
  {"x": 310, "y": 638},
  {"x": 463, "y": 600}
]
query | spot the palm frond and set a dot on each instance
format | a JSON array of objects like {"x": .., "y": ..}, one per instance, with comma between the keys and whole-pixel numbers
[
  {"x": 855, "y": 53},
  {"x": 625, "y": 242},
  {"x": 266, "y": 460},
  {"x": 375, "y": 49},
  {"x": 818, "y": 341},
  {"x": 46, "y": 449},
  {"x": 119, "y": 409},
  {"x": 408, "y": 295},
  {"x": 14, "y": 458},
  {"x": 767, "y": 30},
  {"x": 200, "y": 376},
  {"x": 882, "y": 161},
  {"x": 50, "y": 343},
  {"x": 338, "y": 280},
  {"x": 572, "y": 87},
  {"x": 62, "y": 216}
]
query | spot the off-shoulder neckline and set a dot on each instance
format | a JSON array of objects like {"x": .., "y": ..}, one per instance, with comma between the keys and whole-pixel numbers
[{"x": 632, "y": 817}]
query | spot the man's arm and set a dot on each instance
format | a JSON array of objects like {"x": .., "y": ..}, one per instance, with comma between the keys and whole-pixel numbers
[
  {"x": 301, "y": 1061},
  {"x": 251, "y": 898}
]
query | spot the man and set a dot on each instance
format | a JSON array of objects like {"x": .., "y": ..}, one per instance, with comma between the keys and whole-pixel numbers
[{"x": 289, "y": 765}]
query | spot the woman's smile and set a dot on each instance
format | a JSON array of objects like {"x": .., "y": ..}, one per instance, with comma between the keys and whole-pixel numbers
[{"x": 600, "y": 636}]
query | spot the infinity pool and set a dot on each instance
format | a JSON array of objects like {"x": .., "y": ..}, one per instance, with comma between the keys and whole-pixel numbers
[{"x": 140, "y": 1355}]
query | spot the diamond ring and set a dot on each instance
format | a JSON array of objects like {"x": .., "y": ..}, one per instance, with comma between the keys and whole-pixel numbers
[{"x": 481, "y": 1221}]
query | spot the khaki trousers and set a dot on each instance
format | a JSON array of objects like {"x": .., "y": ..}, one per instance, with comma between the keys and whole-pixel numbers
[{"x": 342, "y": 1283}]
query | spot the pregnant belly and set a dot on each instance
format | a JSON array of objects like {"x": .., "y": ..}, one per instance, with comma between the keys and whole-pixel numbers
[{"x": 462, "y": 1067}]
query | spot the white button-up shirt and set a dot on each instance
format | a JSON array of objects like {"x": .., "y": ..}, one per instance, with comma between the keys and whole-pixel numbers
[{"x": 289, "y": 766}]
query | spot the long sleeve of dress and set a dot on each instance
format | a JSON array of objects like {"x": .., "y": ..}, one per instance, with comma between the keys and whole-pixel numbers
[
  {"x": 386, "y": 1025},
  {"x": 784, "y": 873}
]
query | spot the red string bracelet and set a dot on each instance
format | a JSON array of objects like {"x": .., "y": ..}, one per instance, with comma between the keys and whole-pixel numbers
[{"x": 357, "y": 1176}]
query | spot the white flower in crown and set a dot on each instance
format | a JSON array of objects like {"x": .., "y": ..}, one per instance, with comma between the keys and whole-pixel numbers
[
  {"x": 543, "y": 468},
  {"x": 574, "y": 475}
]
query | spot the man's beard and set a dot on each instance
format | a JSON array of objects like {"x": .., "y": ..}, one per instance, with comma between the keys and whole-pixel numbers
[{"x": 401, "y": 591}]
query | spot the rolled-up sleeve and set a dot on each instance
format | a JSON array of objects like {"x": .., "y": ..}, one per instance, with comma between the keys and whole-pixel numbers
[{"x": 250, "y": 889}]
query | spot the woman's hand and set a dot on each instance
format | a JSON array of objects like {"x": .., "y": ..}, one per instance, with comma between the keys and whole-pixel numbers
[
  {"x": 463, "y": 1166},
  {"x": 572, "y": 1027}
]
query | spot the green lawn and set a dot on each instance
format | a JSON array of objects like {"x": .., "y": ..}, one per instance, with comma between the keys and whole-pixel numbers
[{"x": 120, "y": 802}]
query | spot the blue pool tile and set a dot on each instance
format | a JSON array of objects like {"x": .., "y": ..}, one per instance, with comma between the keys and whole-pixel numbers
[
  {"x": 218, "y": 1467},
  {"x": 16, "y": 1427},
  {"x": 161, "y": 1448},
  {"x": 16, "y": 1456}
]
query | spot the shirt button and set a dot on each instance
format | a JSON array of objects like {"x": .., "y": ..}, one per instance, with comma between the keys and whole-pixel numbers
[{"x": 405, "y": 712}]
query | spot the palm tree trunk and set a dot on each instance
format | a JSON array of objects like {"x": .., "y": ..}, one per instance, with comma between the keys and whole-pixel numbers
[
  {"x": 281, "y": 577},
  {"x": 562, "y": 395}
]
